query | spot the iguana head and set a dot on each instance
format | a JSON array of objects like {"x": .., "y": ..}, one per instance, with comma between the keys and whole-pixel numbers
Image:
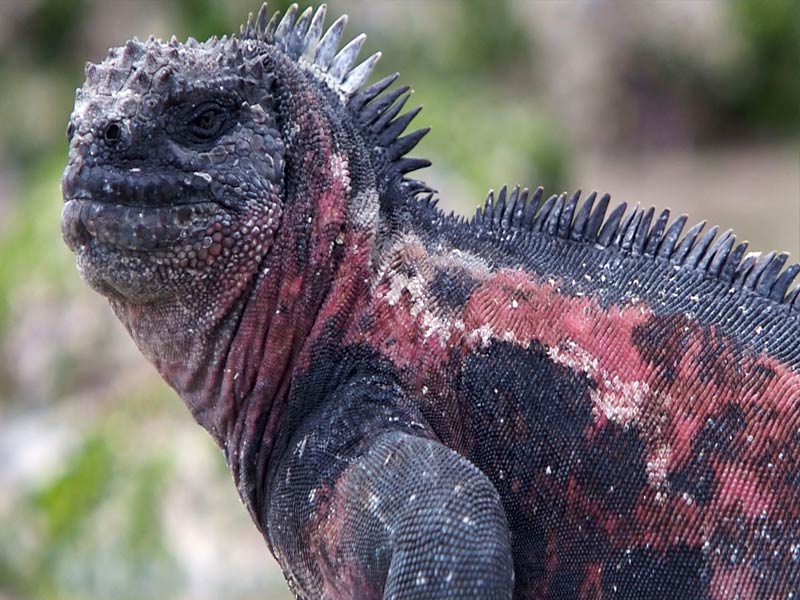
[
  {"x": 175, "y": 170},
  {"x": 177, "y": 181}
]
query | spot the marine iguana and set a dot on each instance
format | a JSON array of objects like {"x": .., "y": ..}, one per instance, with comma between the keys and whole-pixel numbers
[{"x": 547, "y": 400}]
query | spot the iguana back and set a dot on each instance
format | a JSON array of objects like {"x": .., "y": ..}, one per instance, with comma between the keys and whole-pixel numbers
[{"x": 631, "y": 394}]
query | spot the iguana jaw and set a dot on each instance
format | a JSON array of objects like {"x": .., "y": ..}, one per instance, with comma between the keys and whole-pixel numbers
[{"x": 128, "y": 252}]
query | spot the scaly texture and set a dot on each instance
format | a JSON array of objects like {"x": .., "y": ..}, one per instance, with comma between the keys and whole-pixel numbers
[{"x": 549, "y": 400}]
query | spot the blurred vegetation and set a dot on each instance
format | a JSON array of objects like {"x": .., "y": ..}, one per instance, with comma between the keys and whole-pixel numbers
[
  {"x": 94, "y": 530},
  {"x": 92, "y": 525},
  {"x": 754, "y": 92},
  {"x": 768, "y": 94}
]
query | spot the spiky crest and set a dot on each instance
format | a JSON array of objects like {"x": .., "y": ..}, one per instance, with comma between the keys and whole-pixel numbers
[
  {"x": 375, "y": 109},
  {"x": 635, "y": 233}
]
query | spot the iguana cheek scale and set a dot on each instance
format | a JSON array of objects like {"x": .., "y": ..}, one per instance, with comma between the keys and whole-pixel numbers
[{"x": 549, "y": 400}]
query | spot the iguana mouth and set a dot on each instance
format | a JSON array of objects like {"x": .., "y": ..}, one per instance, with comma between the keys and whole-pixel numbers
[
  {"x": 140, "y": 228},
  {"x": 131, "y": 252},
  {"x": 135, "y": 210}
]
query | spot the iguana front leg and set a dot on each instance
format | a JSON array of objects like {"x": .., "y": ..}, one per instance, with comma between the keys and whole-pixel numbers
[{"x": 406, "y": 518}]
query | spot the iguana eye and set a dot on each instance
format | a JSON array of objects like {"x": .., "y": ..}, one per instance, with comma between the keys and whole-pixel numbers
[{"x": 207, "y": 123}]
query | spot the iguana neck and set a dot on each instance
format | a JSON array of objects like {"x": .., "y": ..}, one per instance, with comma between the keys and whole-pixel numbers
[
  {"x": 233, "y": 366},
  {"x": 292, "y": 302}
]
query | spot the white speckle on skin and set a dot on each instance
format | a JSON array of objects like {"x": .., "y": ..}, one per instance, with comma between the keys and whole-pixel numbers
[
  {"x": 301, "y": 447},
  {"x": 620, "y": 401},
  {"x": 412, "y": 285},
  {"x": 509, "y": 336},
  {"x": 657, "y": 465},
  {"x": 333, "y": 83},
  {"x": 374, "y": 501},
  {"x": 573, "y": 356},
  {"x": 483, "y": 334}
]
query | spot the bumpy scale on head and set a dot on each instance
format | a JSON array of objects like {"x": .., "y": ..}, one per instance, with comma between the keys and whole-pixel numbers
[{"x": 175, "y": 170}]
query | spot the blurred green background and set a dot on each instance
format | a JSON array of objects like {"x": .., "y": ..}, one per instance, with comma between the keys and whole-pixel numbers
[{"x": 107, "y": 488}]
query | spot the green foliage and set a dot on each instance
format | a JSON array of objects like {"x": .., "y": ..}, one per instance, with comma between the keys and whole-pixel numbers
[
  {"x": 66, "y": 503},
  {"x": 489, "y": 39},
  {"x": 94, "y": 530},
  {"x": 31, "y": 251},
  {"x": 768, "y": 93},
  {"x": 203, "y": 18},
  {"x": 142, "y": 533},
  {"x": 466, "y": 121},
  {"x": 754, "y": 91},
  {"x": 53, "y": 28}
]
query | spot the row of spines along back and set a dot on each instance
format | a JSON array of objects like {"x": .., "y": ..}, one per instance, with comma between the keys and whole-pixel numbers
[{"x": 641, "y": 233}]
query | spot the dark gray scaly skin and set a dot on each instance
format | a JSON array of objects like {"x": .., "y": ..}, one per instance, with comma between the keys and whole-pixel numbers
[{"x": 545, "y": 401}]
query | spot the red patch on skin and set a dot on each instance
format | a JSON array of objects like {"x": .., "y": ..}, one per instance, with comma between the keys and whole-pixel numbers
[
  {"x": 671, "y": 384},
  {"x": 325, "y": 535},
  {"x": 509, "y": 301},
  {"x": 397, "y": 321},
  {"x": 349, "y": 283},
  {"x": 517, "y": 308},
  {"x": 331, "y": 534},
  {"x": 734, "y": 582},
  {"x": 741, "y": 488},
  {"x": 592, "y": 586},
  {"x": 752, "y": 484},
  {"x": 330, "y": 207}
]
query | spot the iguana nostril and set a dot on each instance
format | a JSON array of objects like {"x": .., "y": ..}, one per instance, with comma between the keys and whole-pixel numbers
[{"x": 113, "y": 133}]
